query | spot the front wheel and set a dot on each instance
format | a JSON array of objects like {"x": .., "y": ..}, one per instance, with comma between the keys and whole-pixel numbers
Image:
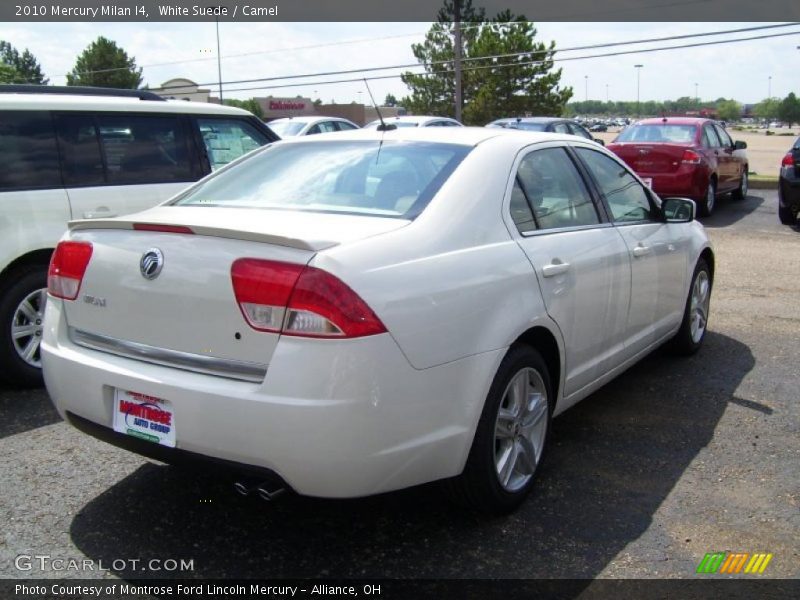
[
  {"x": 22, "y": 302},
  {"x": 695, "y": 315},
  {"x": 511, "y": 436}
]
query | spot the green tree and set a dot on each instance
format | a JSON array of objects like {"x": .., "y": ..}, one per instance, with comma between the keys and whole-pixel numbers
[
  {"x": 390, "y": 100},
  {"x": 789, "y": 110},
  {"x": 251, "y": 105},
  {"x": 729, "y": 110},
  {"x": 25, "y": 65},
  {"x": 104, "y": 64},
  {"x": 767, "y": 109},
  {"x": 8, "y": 74},
  {"x": 524, "y": 82}
]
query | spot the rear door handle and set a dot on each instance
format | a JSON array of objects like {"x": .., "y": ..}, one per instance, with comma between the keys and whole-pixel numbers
[
  {"x": 555, "y": 268},
  {"x": 640, "y": 251}
]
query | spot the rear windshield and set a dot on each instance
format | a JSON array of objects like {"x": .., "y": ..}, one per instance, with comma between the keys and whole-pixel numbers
[
  {"x": 391, "y": 179},
  {"x": 286, "y": 128},
  {"x": 658, "y": 133},
  {"x": 519, "y": 125}
]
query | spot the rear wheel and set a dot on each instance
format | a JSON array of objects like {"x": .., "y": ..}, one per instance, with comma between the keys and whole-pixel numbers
[
  {"x": 511, "y": 435},
  {"x": 786, "y": 215},
  {"x": 22, "y": 302},
  {"x": 741, "y": 192},
  {"x": 695, "y": 315},
  {"x": 707, "y": 204}
]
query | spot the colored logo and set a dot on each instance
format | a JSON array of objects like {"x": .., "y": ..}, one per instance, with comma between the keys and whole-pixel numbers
[{"x": 734, "y": 562}]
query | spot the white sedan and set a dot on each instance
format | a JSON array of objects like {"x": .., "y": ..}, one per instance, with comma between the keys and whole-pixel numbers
[{"x": 359, "y": 313}]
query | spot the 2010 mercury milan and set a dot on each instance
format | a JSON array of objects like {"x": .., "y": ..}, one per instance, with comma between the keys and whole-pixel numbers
[{"x": 366, "y": 311}]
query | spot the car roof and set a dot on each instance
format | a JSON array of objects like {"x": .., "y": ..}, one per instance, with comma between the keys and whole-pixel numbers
[
  {"x": 464, "y": 136},
  {"x": 673, "y": 121},
  {"x": 307, "y": 119},
  {"x": 414, "y": 119},
  {"x": 530, "y": 120},
  {"x": 14, "y": 101}
]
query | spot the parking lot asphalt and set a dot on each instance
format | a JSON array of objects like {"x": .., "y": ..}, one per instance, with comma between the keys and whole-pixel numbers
[{"x": 675, "y": 458}]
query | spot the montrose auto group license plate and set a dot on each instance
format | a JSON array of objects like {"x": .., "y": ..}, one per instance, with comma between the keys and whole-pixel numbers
[{"x": 145, "y": 417}]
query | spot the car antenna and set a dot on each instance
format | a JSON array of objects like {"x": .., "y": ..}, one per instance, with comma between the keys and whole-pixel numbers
[{"x": 383, "y": 126}]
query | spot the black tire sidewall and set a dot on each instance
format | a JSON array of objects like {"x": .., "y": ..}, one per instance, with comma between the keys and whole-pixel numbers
[
  {"x": 13, "y": 369},
  {"x": 488, "y": 494}
]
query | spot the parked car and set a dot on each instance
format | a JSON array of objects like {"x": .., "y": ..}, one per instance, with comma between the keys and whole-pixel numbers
[
  {"x": 294, "y": 126},
  {"x": 72, "y": 153},
  {"x": 598, "y": 127},
  {"x": 414, "y": 121},
  {"x": 683, "y": 156},
  {"x": 549, "y": 124},
  {"x": 328, "y": 315},
  {"x": 789, "y": 186}
]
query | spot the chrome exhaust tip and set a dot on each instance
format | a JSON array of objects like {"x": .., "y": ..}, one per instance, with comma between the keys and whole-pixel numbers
[
  {"x": 268, "y": 494},
  {"x": 242, "y": 488}
]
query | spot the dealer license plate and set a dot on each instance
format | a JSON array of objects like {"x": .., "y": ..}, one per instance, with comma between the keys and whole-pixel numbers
[{"x": 144, "y": 417}]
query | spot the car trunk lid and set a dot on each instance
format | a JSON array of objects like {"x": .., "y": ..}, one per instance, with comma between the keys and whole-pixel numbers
[{"x": 648, "y": 158}]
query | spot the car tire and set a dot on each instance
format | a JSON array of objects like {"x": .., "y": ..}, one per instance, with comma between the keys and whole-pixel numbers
[
  {"x": 511, "y": 436},
  {"x": 740, "y": 193},
  {"x": 786, "y": 216},
  {"x": 706, "y": 205},
  {"x": 22, "y": 299},
  {"x": 694, "y": 325}
]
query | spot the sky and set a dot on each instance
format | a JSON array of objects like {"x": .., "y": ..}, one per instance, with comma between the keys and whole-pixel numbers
[{"x": 740, "y": 70}]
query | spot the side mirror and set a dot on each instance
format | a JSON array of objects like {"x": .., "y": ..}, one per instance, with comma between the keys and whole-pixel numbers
[
  {"x": 678, "y": 210},
  {"x": 599, "y": 141},
  {"x": 739, "y": 145}
]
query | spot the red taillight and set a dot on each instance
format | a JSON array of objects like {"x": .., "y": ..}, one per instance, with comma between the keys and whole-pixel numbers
[
  {"x": 162, "y": 228},
  {"x": 690, "y": 157},
  {"x": 299, "y": 300},
  {"x": 67, "y": 268},
  {"x": 788, "y": 160}
]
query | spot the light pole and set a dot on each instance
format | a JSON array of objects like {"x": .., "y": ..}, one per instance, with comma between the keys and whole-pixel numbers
[
  {"x": 696, "y": 97},
  {"x": 606, "y": 93},
  {"x": 638, "y": 74},
  {"x": 219, "y": 63},
  {"x": 769, "y": 86},
  {"x": 586, "y": 87}
]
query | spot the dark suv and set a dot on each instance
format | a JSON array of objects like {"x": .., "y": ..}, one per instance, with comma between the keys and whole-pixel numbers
[{"x": 789, "y": 186}]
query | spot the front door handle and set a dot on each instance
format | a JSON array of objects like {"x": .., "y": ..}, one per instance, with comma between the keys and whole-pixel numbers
[
  {"x": 555, "y": 268},
  {"x": 641, "y": 250}
]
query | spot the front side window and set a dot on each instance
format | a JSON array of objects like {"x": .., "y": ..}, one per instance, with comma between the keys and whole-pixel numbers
[
  {"x": 723, "y": 136},
  {"x": 578, "y": 130},
  {"x": 626, "y": 197},
  {"x": 555, "y": 190},
  {"x": 228, "y": 139},
  {"x": 28, "y": 151},
  {"x": 345, "y": 126},
  {"x": 392, "y": 179}
]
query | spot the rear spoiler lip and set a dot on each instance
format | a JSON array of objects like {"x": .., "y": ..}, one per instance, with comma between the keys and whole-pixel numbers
[{"x": 219, "y": 232}]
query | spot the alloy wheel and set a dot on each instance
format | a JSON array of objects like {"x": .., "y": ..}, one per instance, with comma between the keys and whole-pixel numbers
[{"x": 26, "y": 327}]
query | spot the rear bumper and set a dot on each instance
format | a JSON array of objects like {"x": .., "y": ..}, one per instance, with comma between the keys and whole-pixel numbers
[
  {"x": 332, "y": 418},
  {"x": 687, "y": 184}
]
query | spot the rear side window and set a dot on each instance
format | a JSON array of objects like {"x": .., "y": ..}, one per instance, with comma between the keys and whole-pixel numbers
[
  {"x": 144, "y": 149},
  {"x": 555, "y": 190},
  {"x": 28, "y": 151},
  {"x": 228, "y": 139},
  {"x": 392, "y": 179},
  {"x": 123, "y": 149}
]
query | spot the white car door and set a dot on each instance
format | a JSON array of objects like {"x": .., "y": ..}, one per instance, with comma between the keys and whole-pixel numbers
[
  {"x": 116, "y": 164},
  {"x": 659, "y": 251},
  {"x": 580, "y": 261}
]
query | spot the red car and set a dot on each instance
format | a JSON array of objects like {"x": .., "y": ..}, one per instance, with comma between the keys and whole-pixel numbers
[{"x": 682, "y": 156}]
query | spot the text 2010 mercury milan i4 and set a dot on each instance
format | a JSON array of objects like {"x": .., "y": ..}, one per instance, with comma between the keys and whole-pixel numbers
[{"x": 366, "y": 311}]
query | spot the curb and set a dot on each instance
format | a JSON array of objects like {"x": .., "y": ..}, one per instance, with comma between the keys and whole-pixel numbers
[{"x": 769, "y": 184}]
